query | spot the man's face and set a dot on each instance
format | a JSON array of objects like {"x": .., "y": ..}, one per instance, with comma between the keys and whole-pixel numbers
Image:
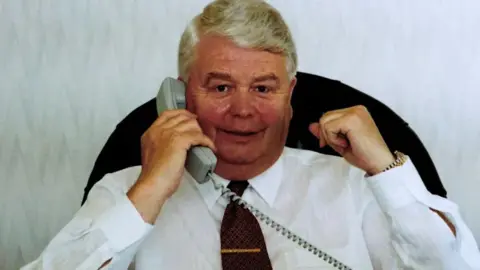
[{"x": 242, "y": 100}]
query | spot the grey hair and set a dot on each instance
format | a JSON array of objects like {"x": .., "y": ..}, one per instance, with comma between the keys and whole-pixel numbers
[{"x": 250, "y": 24}]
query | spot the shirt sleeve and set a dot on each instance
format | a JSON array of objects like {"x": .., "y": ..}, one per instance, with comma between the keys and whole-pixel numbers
[
  {"x": 402, "y": 232},
  {"x": 108, "y": 226}
]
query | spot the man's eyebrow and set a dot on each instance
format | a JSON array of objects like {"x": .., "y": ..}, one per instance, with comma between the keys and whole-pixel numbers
[
  {"x": 227, "y": 77},
  {"x": 267, "y": 77},
  {"x": 217, "y": 75}
]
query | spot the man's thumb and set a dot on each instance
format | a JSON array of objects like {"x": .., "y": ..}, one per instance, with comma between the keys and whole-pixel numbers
[{"x": 315, "y": 129}]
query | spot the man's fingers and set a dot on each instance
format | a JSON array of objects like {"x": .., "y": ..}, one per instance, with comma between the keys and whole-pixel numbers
[
  {"x": 326, "y": 140},
  {"x": 172, "y": 114},
  {"x": 328, "y": 117},
  {"x": 187, "y": 125},
  {"x": 179, "y": 121},
  {"x": 332, "y": 131},
  {"x": 336, "y": 133},
  {"x": 337, "y": 139},
  {"x": 194, "y": 134},
  {"x": 314, "y": 128},
  {"x": 198, "y": 138}
]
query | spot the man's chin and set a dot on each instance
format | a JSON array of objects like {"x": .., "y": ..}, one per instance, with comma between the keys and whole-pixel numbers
[{"x": 237, "y": 156}]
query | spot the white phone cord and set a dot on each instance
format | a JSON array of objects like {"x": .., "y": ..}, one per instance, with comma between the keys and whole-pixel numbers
[{"x": 275, "y": 225}]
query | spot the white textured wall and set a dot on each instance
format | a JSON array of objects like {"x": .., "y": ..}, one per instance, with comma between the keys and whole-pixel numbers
[{"x": 70, "y": 70}]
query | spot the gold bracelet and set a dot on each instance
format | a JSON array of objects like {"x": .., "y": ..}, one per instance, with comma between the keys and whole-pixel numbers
[{"x": 400, "y": 159}]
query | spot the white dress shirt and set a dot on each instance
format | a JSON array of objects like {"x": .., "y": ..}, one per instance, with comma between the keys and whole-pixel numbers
[{"x": 379, "y": 222}]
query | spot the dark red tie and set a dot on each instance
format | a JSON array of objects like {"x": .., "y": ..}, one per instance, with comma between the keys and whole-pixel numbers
[{"x": 242, "y": 242}]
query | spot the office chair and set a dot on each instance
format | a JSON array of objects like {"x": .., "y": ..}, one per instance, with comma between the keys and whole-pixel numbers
[{"x": 313, "y": 95}]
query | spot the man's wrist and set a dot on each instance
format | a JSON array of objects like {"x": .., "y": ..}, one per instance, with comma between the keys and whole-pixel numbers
[
  {"x": 398, "y": 159},
  {"x": 147, "y": 198},
  {"x": 381, "y": 166}
]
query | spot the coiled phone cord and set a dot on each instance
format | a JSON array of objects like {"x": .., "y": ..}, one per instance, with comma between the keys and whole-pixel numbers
[{"x": 278, "y": 227}]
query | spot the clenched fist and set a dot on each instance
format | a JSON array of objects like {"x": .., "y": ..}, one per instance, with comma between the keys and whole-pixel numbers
[{"x": 353, "y": 134}]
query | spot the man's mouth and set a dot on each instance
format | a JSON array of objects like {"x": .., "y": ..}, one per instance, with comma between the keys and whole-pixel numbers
[{"x": 239, "y": 133}]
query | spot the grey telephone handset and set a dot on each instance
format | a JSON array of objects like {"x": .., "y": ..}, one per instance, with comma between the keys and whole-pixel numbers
[
  {"x": 201, "y": 163},
  {"x": 200, "y": 159}
]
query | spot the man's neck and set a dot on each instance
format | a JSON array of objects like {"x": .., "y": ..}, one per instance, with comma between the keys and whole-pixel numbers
[{"x": 246, "y": 171}]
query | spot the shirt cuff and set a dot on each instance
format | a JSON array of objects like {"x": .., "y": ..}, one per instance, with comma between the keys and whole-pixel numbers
[
  {"x": 122, "y": 225},
  {"x": 397, "y": 187}
]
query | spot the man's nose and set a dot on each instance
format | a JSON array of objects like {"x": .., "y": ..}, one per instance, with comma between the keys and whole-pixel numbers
[{"x": 242, "y": 104}]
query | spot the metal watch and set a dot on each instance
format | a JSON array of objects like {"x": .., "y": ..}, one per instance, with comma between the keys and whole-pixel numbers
[{"x": 400, "y": 159}]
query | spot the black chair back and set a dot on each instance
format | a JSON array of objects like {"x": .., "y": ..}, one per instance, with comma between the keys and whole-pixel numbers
[{"x": 313, "y": 95}]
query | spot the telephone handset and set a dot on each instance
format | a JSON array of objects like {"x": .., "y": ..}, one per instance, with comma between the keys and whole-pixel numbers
[
  {"x": 200, "y": 159},
  {"x": 201, "y": 163}
]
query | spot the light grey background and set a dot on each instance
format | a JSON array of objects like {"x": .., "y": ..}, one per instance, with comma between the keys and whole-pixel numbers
[{"x": 70, "y": 70}]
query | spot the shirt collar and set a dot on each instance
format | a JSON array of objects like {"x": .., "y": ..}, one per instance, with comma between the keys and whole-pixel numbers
[{"x": 266, "y": 185}]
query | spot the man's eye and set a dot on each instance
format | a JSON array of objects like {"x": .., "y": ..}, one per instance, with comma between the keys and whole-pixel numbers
[
  {"x": 262, "y": 89},
  {"x": 221, "y": 88}
]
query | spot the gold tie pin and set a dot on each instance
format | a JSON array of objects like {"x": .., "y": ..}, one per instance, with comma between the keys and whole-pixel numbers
[{"x": 239, "y": 250}]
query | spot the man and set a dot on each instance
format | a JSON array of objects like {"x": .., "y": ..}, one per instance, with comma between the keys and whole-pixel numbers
[{"x": 369, "y": 210}]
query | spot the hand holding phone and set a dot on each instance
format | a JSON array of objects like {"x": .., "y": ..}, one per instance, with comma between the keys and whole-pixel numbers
[
  {"x": 177, "y": 139},
  {"x": 173, "y": 142},
  {"x": 164, "y": 151},
  {"x": 200, "y": 161},
  {"x": 165, "y": 145}
]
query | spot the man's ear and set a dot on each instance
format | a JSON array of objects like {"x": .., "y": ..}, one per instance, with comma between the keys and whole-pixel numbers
[
  {"x": 183, "y": 81},
  {"x": 293, "y": 82}
]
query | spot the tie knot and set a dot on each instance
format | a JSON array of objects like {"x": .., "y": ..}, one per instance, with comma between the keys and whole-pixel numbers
[{"x": 238, "y": 187}]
